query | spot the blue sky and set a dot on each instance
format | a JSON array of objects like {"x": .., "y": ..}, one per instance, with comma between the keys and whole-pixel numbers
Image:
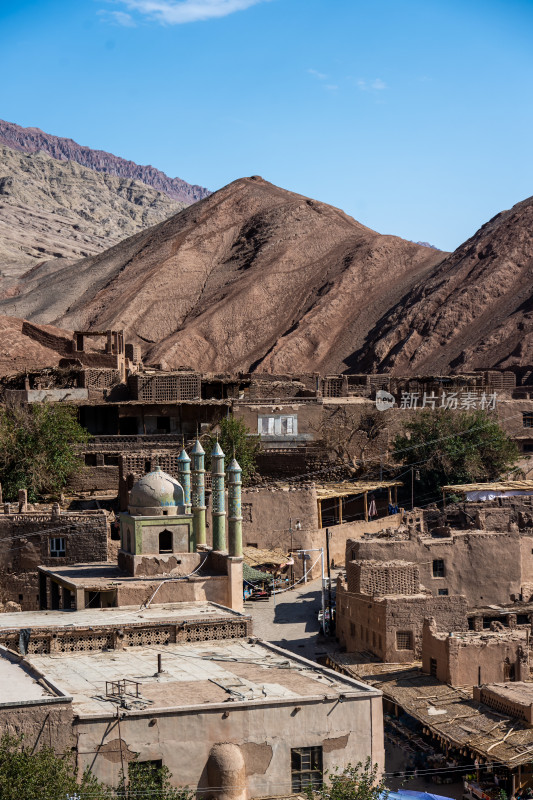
[{"x": 414, "y": 116}]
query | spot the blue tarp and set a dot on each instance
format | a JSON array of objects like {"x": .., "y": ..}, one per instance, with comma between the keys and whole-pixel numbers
[{"x": 408, "y": 795}]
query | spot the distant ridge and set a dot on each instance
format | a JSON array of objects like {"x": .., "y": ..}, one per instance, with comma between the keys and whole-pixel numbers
[{"x": 32, "y": 140}]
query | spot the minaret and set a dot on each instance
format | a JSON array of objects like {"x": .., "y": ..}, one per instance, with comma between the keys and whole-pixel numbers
[
  {"x": 217, "y": 498},
  {"x": 184, "y": 473},
  {"x": 198, "y": 493},
  {"x": 234, "y": 509}
]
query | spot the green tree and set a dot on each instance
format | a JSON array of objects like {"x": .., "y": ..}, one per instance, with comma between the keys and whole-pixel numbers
[
  {"x": 235, "y": 437},
  {"x": 359, "y": 782},
  {"x": 27, "y": 775},
  {"x": 452, "y": 447},
  {"x": 37, "y": 448},
  {"x": 147, "y": 780}
]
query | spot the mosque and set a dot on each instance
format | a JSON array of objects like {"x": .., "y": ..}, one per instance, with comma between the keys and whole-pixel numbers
[{"x": 163, "y": 555}]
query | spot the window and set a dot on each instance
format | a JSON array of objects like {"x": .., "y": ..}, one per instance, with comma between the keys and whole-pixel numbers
[
  {"x": 165, "y": 541},
  {"x": 306, "y": 767},
  {"x": 404, "y": 640},
  {"x": 438, "y": 568},
  {"x": 433, "y": 667},
  {"x": 90, "y": 459},
  {"x": 443, "y": 592},
  {"x": 527, "y": 447},
  {"x": 163, "y": 424},
  {"x": 150, "y": 771},
  {"x": 527, "y": 419},
  {"x": 57, "y": 548},
  {"x": 352, "y": 629},
  {"x": 110, "y": 460},
  {"x": 277, "y": 425}
]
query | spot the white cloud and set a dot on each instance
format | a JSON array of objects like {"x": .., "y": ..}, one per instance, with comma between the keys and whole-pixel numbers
[
  {"x": 123, "y": 18},
  {"x": 332, "y": 87},
  {"x": 316, "y": 74},
  {"x": 375, "y": 84},
  {"x": 178, "y": 12}
]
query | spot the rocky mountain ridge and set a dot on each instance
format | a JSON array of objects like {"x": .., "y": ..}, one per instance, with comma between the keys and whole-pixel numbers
[
  {"x": 252, "y": 277},
  {"x": 33, "y": 140},
  {"x": 52, "y": 209}
]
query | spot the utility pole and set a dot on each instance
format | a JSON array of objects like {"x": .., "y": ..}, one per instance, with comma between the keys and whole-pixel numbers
[
  {"x": 321, "y": 551},
  {"x": 330, "y": 604}
]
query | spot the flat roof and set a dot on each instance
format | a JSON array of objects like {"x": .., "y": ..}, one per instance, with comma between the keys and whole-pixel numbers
[
  {"x": 485, "y": 636},
  {"x": 126, "y": 615},
  {"x": 345, "y": 488},
  {"x": 451, "y": 713},
  {"x": 107, "y": 576},
  {"x": 496, "y": 486},
  {"x": 18, "y": 683},
  {"x": 194, "y": 675},
  {"x": 519, "y": 692}
]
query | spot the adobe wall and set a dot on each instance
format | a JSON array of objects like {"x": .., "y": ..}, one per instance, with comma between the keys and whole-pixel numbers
[
  {"x": 94, "y": 479},
  {"x": 475, "y": 659},
  {"x": 262, "y": 736},
  {"x": 509, "y": 413},
  {"x": 41, "y": 725},
  {"x": 367, "y": 623},
  {"x": 379, "y": 578},
  {"x": 486, "y": 567},
  {"x": 21, "y": 553},
  {"x": 490, "y": 696},
  {"x": 267, "y": 512}
]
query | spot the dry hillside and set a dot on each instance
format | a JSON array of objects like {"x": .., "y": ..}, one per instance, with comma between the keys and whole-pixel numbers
[
  {"x": 252, "y": 277},
  {"x": 475, "y": 309}
]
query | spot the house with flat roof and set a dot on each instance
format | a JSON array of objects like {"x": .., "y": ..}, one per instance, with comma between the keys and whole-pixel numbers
[{"x": 227, "y": 713}]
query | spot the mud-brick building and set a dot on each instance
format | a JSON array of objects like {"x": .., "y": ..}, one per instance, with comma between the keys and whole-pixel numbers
[
  {"x": 52, "y": 538},
  {"x": 188, "y": 688},
  {"x": 163, "y": 545},
  {"x": 468, "y": 658},
  {"x": 381, "y": 608},
  {"x": 487, "y": 566}
]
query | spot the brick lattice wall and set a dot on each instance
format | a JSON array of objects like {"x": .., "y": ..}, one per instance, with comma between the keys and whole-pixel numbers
[{"x": 377, "y": 578}]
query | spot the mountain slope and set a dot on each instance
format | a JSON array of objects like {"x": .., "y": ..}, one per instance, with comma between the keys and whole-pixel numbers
[
  {"x": 252, "y": 277},
  {"x": 59, "y": 209},
  {"x": 32, "y": 140},
  {"x": 27, "y": 346},
  {"x": 474, "y": 310}
]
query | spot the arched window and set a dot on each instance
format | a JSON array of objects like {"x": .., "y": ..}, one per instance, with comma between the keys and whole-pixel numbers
[{"x": 165, "y": 541}]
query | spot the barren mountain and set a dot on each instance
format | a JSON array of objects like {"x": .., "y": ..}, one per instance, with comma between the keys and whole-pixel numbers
[
  {"x": 27, "y": 346},
  {"x": 475, "y": 309},
  {"x": 252, "y": 277},
  {"x": 59, "y": 209},
  {"x": 33, "y": 140}
]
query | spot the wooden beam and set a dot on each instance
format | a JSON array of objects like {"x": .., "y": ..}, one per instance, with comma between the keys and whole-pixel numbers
[
  {"x": 365, "y": 495},
  {"x": 319, "y": 504},
  {"x": 340, "y": 510},
  {"x": 390, "y": 496}
]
